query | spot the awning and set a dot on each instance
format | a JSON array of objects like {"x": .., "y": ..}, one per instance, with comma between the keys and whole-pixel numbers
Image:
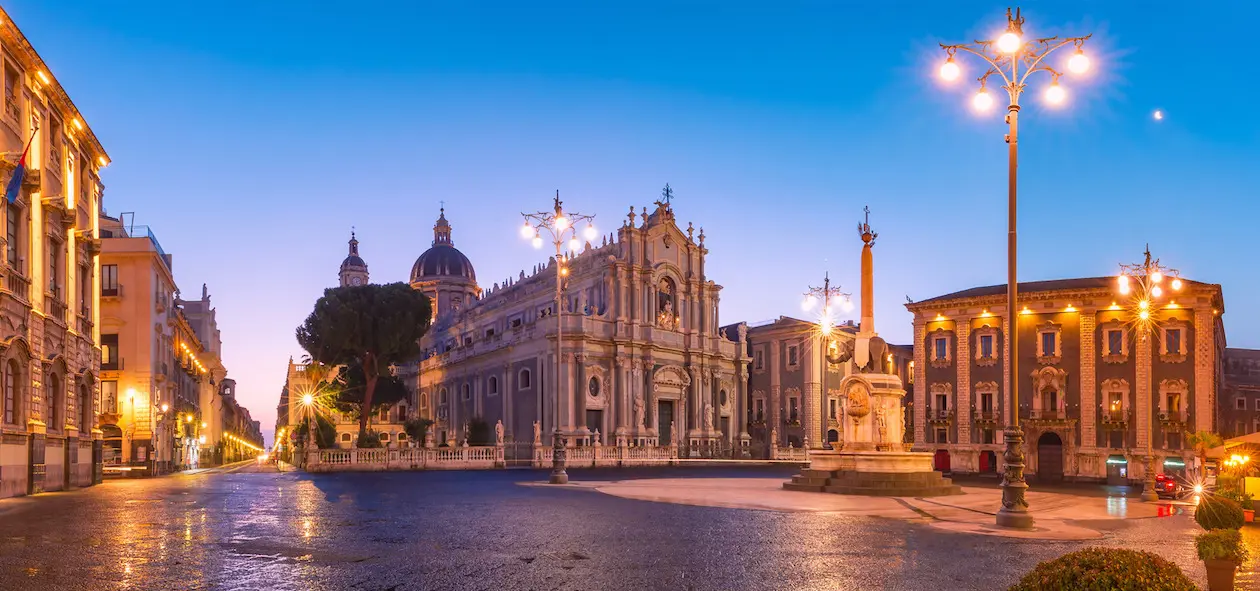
[{"x": 1237, "y": 444}]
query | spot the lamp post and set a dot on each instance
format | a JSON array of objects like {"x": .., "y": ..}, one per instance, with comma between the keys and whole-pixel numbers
[
  {"x": 1143, "y": 284},
  {"x": 558, "y": 225},
  {"x": 830, "y": 297},
  {"x": 1013, "y": 59}
]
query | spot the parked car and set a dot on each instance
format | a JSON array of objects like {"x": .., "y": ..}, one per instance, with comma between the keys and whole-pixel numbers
[{"x": 1168, "y": 486}]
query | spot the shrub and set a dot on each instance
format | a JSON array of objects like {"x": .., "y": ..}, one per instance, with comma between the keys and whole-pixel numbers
[
  {"x": 1243, "y": 499},
  {"x": 479, "y": 432},
  {"x": 371, "y": 439},
  {"x": 325, "y": 433},
  {"x": 1217, "y": 512},
  {"x": 416, "y": 429},
  {"x": 1106, "y": 569},
  {"x": 1221, "y": 544}
]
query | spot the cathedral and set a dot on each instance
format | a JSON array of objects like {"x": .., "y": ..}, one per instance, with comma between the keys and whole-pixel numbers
[{"x": 644, "y": 361}]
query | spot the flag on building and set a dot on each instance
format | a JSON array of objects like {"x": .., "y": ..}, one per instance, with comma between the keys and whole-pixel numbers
[{"x": 15, "y": 182}]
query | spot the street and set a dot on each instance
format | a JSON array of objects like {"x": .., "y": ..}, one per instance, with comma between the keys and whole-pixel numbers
[{"x": 256, "y": 528}]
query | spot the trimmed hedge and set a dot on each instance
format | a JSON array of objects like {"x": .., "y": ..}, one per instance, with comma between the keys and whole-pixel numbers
[
  {"x": 1217, "y": 512},
  {"x": 1106, "y": 569}
]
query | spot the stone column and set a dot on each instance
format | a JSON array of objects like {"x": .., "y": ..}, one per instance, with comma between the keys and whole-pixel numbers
[
  {"x": 962, "y": 410},
  {"x": 505, "y": 390},
  {"x": 579, "y": 391},
  {"x": 1089, "y": 382},
  {"x": 1204, "y": 375},
  {"x": 813, "y": 401},
  {"x": 620, "y": 394}
]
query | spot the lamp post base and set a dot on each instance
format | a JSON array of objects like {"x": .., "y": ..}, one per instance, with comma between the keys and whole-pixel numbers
[
  {"x": 558, "y": 475},
  {"x": 1014, "y": 512},
  {"x": 1149, "y": 492}
]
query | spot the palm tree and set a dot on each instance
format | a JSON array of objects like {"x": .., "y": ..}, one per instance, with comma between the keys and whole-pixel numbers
[{"x": 1202, "y": 441}]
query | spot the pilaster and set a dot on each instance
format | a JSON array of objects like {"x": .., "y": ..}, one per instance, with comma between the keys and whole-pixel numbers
[
  {"x": 920, "y": 380},
  {"x": 962, "y": 408},
  {"x": 1142, "y": 388},
  {"x": 1204, "y": 386},
  {"x": 1089, "y": 382}
]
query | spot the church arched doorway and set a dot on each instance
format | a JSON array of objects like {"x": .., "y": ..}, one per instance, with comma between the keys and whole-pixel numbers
[
  {"x": 1049, "y": 457},
  {"x": 833, "y": 437}
]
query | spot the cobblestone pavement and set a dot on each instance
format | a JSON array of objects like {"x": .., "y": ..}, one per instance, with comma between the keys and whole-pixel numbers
[{"x": 260, "y": 529}]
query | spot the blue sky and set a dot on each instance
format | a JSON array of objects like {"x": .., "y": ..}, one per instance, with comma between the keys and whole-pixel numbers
[{"x": 252, "y": 135}]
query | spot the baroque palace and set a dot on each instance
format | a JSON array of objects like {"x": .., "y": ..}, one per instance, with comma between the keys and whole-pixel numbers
[
  {"x": 49, "y": 355},
  {"x": 1096, "y": 394},
  {"x": 644, "y": 359}
]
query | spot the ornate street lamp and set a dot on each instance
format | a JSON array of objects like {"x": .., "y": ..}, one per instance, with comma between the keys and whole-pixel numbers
[
  {"x": 1013, "y": 59},
  {"x": 831, "y": 298},
  {"x": 558, "y": 225},
  {"x": 1146, "y": 285}
]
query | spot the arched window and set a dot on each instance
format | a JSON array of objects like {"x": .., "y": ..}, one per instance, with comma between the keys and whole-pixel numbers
[
  {"x": 54, "y": 394},
  {"x": 524, "y": 379},
  {"x": 86, "y": 422},
  {"x": 722, "y": 401},
  {"x": 492, "y": 385},
  {"x": 442, "y": 396},
  {"x": 345, "y": 438},
  {"x": 11, "y": 399},
  {"x": 666, "y": 302}
]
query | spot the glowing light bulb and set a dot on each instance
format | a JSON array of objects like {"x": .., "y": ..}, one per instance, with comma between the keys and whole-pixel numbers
[
  {"x": 1144, "y": 304},
  {"x": 847, "y": 306},
  {"x": 1176, "y": 284},
  {"x": 1124, "y": 288},
  {"x": 574, "y": 244},
  {"x": 590, "y": 232},
  {"x": 537, "y": 241},
  {"x": 562, "y": 222},
  {"x": 1079, "y": 63},
  {"x": 1009, "y": 42},
  {"x": 809, "y": 303},
  {"x": 1156, "y": 277},
  {"x": 950, "y": 70},
  {"x": 982, "y": 101},
  {"x": 308, "y": 399},
  {"x": 527, "y": 231},
  {"x": 1144, "y": 315},
  {"x": 1157, "y": 291},
  {"x": 1123, "y": 279},
  {"x": 1055, "y": 94}
]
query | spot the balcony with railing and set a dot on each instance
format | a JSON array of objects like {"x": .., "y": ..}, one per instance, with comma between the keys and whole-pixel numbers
[
  {"x": 54, "y": 306},
  {"x": 1048, "y": 416},
  {"x": 111, "y": 291},
  {"x": 1115, "y": 419},
  {"x": 1173, "y": 419},
  {"x": 939, "y": 416},
  {"x": 986, "y": 416},
  {"x": 17, "y": 285}
]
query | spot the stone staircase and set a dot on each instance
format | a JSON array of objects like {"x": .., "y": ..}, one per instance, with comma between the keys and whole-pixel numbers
[{"x": 875, "y": 484}]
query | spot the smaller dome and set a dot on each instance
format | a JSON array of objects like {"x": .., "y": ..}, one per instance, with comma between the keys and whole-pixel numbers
[{"x": 353, "y": 261}]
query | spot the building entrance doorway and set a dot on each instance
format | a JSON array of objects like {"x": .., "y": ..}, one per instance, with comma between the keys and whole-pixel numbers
[
  {"x": 941, "y": 460},
  {"x": 988, "y": 462},
  {"x": 1049, "y": 457},
  {"x": 665, "y": 421}
]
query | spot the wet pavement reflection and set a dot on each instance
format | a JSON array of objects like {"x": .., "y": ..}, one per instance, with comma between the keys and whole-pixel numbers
[{"x": 480, "y": 530}]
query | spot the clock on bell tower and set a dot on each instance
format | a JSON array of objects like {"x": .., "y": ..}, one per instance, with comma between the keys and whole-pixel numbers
[{"x": 354, "y": 271}]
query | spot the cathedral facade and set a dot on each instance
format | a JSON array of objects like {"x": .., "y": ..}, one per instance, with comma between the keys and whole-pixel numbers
[{"x": 643, "y": 361}]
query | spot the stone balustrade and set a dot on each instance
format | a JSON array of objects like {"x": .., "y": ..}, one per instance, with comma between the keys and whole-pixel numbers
[{"x": 379, "y": 460}]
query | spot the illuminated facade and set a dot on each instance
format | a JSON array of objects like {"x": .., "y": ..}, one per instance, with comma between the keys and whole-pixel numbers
[
  {"x": 1240, "y": 393},
  {"x": 49, "y": 355},
  {"x": 1093, "y": 391},
  {"x": 644, "y": 359}
]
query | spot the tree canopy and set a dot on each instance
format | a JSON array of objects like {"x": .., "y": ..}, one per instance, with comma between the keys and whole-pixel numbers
[
  {"x": 351, "y": 385},
  {"x": 370, "y": 327}
]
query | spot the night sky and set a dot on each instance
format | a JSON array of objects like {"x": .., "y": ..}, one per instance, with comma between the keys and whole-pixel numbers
[{"x": 252, "y": 135}]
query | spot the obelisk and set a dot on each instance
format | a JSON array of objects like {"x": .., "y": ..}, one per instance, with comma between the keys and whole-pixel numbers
[{"x": 866, "y": 327}]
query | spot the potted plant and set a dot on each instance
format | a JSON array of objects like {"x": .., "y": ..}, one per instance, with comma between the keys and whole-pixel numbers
[{"x": 1221, "y": 551}]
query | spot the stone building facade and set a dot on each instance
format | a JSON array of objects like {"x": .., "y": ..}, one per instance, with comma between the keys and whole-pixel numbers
[
  {"x": 1240, "y": 393},
  {"x": 49, "y": 353},
  {"x": 1093, "y": 391},
  {"x": 644, "y": 361}
]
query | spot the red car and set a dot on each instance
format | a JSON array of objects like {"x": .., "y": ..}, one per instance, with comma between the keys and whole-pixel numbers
[{"x": 1166, "y": 486}]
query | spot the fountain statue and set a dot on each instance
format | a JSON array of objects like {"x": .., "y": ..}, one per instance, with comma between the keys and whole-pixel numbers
[{"x": 873, "y": 460}]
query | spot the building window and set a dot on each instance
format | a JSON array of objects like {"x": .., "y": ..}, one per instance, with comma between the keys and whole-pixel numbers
[
  {"x": 988, "y": 436},
  {"x": 942, "y": 435},
  {"x": 1240, "y": 403},
  {"x": 939, "y": 351},
  {"x": 11, "y": 398},
  {"x": 465, "y": 392},
  {"x": 345, "y": 438},
  {"x": 1115, "y": 347},
  {"x": 492, "y": 386},
  {"x": 592, "y": 387},
  {"x": 1173, "y": 348},
  {"x": 759, "y": 361},
  {"x": 109, "y": 352},
  {"x": 1258, "y": 404},
  {"x": 986, "y": 346},
  {"x": 1115, "y": 341},
  {"x": 109, "y": 397},
  {"x": 1049, "y": 345},
  {"x": 13, "y": 236},
  {"x": 11, "y": 85},
  {"x": 832, "y": 407},
  {"x": 523, "y": 380},
  {"x": 442, "y": 396},
  {"x": 1172, "y": 341},
  {"x": 85, "y": 408},
  {"x": 384, "y": 418},
  {"x": 794, "y": 411},
  {"x": 55, "y": 406},
  {"x": 759, "y": 412},
  {"x": 910, "y": 372},
  {"x": 793, "y": 354}
]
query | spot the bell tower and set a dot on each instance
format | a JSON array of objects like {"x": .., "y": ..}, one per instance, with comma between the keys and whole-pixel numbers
[{"x": 354, "y": 271}]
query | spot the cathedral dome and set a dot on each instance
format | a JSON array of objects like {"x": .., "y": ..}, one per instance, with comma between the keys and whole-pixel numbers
[{"x": 443, "y": 260}]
